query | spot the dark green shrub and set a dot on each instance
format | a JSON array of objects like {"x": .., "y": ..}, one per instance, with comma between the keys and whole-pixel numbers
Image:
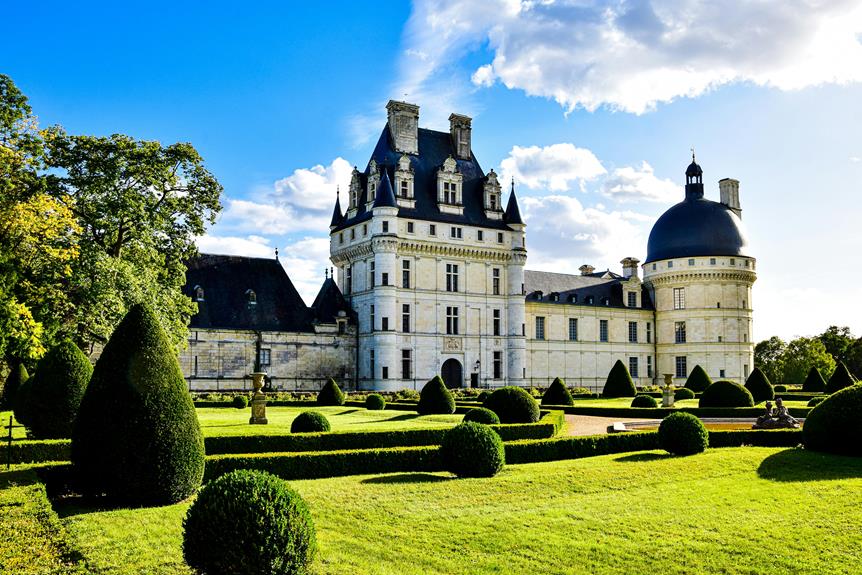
[
  {"x": 310, "y": 422},
  {"x": 759, "y": 386},
  {"x": 483, "y": 396},
  {"x": 835, "y": 425},
  {"x": 644, "y": 401},
  {"x": 375, "y": 402},
  {"x": 137, "y": 435},
  {"x": 249, "y": 523},
  {"x": 56, "y": 390},
  {"x": 435, "y": 397},
  {"x": 814, "y": 382},
  {"x": 815, "y": 401},
  {"x": 17, "y": 376},
  {"x": 683, "y": 393},
  {"x": 619, "y": 382},
  {"x": 840, "y": 379},
  {"x": 698, "y": 380},
  {"x": 482, "y": 415},
  {"x": 513, "y": 405},
  {"x": 724, "y": 393},
  {"x": 472, "y": 449},
  {"x": 21, "y": 404},
  {"x": 239, "y": 401},
  {"x": 780, "y": 388},
  {"x": 683, "y": 434},
  {"x": 331, "y": 394},
  {"x": 557, "y": 394}
]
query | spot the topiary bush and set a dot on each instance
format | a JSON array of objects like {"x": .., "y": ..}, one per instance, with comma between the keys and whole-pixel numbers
[
  {"x": 375, "y": 402},
  {"x": 682, "y": 433},
  {"x": 21, "y": 404},
  {"x": 483, "y": 396},
  {"x": 557, "y": 394},
  {"x": 780, "y": 388},
  {"x": 814, "y": 382},
  {"x": 137, "y": 435},
  {"x": 816, "y": 400},
  {"x": 239, "y": 401},
  {"x": 435, "y": 397},
  {"x": 759, "y": 386},
  {"x": 61, "y": 378},
  {"x": 482, "y": 415},
  {"x": 683, "y": 393},
  {"x": 834, "y": 425},
  {"x": 698, "y": 380},
  {"x": 17, "y": 376},
  {"x": 310, "y": 422},
  {"x": 330, "y": 394},
  {"x": 644, "y": 401},
  {"x": 619, "y": 382},
  {"x": 724, "y": 393},
  {"x": 249, "y": 523},
  {"x": 840, "y": 379},
  {"x": 513, "y": 405},
  {"x": 472, "y": 449}
]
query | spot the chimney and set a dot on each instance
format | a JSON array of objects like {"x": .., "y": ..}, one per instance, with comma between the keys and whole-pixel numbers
[
  {"x": 459, "y": 128},
  {"x": 586, "y": 269},
  {"x": 630, "y": 267},
  {"x": 403, "y": 126},
  {"x": 729, "y": 190}
]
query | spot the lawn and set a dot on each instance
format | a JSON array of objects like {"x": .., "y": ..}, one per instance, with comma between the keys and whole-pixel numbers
[
  {"x": 727, "y": 511},
  {"x": 17, "y": 432}
]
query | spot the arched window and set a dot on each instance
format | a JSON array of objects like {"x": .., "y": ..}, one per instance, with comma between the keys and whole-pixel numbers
[
  {"x": 199, "y": 293},
  {"x": 251, "y": 297}
]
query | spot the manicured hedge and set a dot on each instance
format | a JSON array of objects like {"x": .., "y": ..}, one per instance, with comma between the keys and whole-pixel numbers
[
  {"x": 814, "y": 382},
  {"x": 27, "y": 451},
  {"x": 435, "y": 398},
  {"x": 482, "y": 415},
  {"x": 698, "y": 380},
  {"x": 619, "y": 382},
  {"x": 331, "y": 394},
  {"x": 472, "y": 449},
  {"x": 310, "y": 422},
  {"x": 759, "y": 386},
  {"x": 17, "y": 376},
  {"x": 682, "y": 434},
  {"x": 840, "y": 379},
  {"x": 835, "y": 426},
  {"x": 375, "y": 402},
  {"x": 681, "y": 393},
  {"x": 513, "y": 405},
  {"x": 724, "y": 393},
  {"x": 642, "y": 400},
  {"x": 665, "y": 411},
  {"x": 557, "y": 394}
]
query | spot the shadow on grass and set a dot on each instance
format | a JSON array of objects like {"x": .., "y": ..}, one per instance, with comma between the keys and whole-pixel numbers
[
  {"x": 403, "y": 417},
  {"x": 801, "y": 465},
  {"x": 347, "y": 411},
  {"x": 636, "y": 457},
  {"x": 19, "y": 477},
  {"x": 408, "y": 478}
]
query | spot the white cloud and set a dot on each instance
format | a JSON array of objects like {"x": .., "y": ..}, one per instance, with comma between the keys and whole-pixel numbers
[
  {"x": 314, "y": 188},
  {"x": 483, "y": 76},
  {"x": 305, "y": 261},
  {"x": 553, "y": 167},
  {"x": 630, "y": 184},
  {"x": 251, "y": 246},
  {"x": 855, "y": 159}
]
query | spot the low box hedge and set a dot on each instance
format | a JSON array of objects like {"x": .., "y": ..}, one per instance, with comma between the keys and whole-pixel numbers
[
  {"x": 36, "y": 451},
  {"x": 662, "y": 412}
]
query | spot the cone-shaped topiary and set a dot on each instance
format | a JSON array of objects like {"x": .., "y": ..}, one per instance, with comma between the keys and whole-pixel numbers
[
  {"x": 834, "y": 425},
  {"x": 513, "y": 405},
  {"x": 814, "y": 383},
  {"x": 61, "y": 378},
  {"x": 248, "y": 523},
  {"x": 21, "y": 404},
  {"x": 557, "y": 394},
  {"x": 17, "y": 376},
  {"x": 472, "y": 449},
  {"x": 644, "y": 401},
  {"x": 682, "y": 393},
  {"x": 482, "y": 415},
  {"x": 375, "y": 402},
  {"x": 840, "y": 379},
  {"x": 435, "y": 397},
  {"x": 619, "y": 382},
  {"x": 724, "y": 393},
  {"x": 309, "y": 422},
  {"x": 759, "y": 386},
  {"x": 682, "y": 433},
  {"x": 698, "y": 380},
  {"x": 137, "y": 435},
  {"x": 331, "y": 394}
]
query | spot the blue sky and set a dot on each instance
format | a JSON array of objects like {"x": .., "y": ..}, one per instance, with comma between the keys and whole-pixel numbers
[{"x": 591, "y": 106}]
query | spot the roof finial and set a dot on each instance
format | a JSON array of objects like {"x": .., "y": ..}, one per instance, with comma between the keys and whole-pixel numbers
[
  {"x": 326, "y": 273},
  {"x": 332, "y": 271},
  {"x": 513, "y": 183},
  {"x": 337, "y": 191},
  {"x": 276, "y": 253},
  {"x": 692, "y": 154}
]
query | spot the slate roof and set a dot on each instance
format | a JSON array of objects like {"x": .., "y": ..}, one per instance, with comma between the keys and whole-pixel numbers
[
  {"x": 599, "y": 285},
  {"x": 513, "y": 214},
  {"x": 329, "y": 302}
]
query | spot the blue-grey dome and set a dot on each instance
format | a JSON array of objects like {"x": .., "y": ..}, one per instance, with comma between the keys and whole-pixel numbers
[{"x": 697, "y": 227}]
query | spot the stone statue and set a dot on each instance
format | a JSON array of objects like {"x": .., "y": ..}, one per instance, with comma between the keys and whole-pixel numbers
[
  {"x": 778, "y": 418},
  {"x": 783, "y": 415}
]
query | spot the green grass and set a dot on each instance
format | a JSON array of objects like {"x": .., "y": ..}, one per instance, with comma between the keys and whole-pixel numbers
[
  {"x": 727, "y": 511},
  {"x": 17, "y": 432}
]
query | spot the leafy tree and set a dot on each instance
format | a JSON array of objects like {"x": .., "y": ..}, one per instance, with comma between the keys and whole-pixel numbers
[
  {"x": 854, "y": 358},
  {"x": 801, "y": 355},
  {"x": 769, "y": 357},
  {"x": 837, "y": 341}
]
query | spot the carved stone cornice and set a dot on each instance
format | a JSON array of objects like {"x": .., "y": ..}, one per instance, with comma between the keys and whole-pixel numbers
[
  {"x": 689, "y": 276},
  {"x": 454, "y": 251}
]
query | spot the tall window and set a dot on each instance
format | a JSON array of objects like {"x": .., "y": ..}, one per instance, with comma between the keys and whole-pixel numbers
[
  {"x": 456, "y": 232},
  {"x": 406, "y": 364},
  {"x": 348, "y": 280},
  {"x": 573, "y": 329},
  {"x": 384, "y": 279},
  {"x": 495, "y": 281},
  {"x": 384, "y": 323},
  {"x": 265, "y": 356},
  {"x": 540, "y": 327},
  {"x": 499, "y": 237},
  {"x": 633, "y": 299},
  {"x": 371, "y": 363},
  {"x": 603, "y": 330},
  {"x": 450, "y": 193},
  {"x": 371, "y": 274},
  {"x": 649, "y": 366},
  {"x": 497, "y": 322},
  {"x": 384, "y": 372},
  {"x": 452, "y": 277},
  {"x": 498, "y": 365},
  {"x": 432, "y": 230},
  {"x": 451, "y": 320},
  {"x": 681, "y": 366},
  {"x": 371, "y": 318},
  {"x": 480, "y": 235},
  {"x": 199, "y": 293},
  {"x": 633, "y": 366},
  {"x": 404, "y": 188},
  {"x": 405, "y": 317},
  {"x": 405, "y": 274},
  {"x": 633, "y": 332},
  {"x": 678, "y": 298},
  {"x": 409, "y": 227},
  {"x": 679, "y": 331},
  {"x": 385, "y": 227},
  {"x": 649, "y": 332}
]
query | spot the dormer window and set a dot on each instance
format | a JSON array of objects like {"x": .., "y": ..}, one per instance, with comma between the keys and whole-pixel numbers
[
  {"x": 590, "y": 300},
  {"x": 199, "y": 293},
  {"x": 449, "y": 188},
  {"x": 251, "y": 297},
  {"x": 450, "y": 193},
  {"x": 355, "y": 188},
  {"x": 373, "y": 179},
  {"x": 492, "y": 202},
  {"x": 404, "y": 183}
]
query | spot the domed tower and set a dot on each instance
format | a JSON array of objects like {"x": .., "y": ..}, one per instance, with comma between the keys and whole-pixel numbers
[{"x": 699, "y": 272}]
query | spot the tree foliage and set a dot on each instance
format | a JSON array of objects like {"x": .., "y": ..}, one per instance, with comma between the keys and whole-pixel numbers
[
  {"x": 790, "y": 362},
  {"x": 837, "y": 341},
  {"x": 769, "y": 357}
]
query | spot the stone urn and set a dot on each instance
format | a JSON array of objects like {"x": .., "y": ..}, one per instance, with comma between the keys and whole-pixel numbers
[
  {"x": 258, "y": 400},
  {"x": 667, "y": 392}
]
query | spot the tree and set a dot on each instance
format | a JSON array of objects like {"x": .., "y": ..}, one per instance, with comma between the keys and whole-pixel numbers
[
  {"x": 854, "y": 358},
  {"x": 837, "y": 341},
  {"x": 769, "y": 357},
  {"x": 801, "y": 355}
]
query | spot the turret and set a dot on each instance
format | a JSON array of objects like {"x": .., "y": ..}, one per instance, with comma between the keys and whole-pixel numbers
[{"x": 337, "y": 216}]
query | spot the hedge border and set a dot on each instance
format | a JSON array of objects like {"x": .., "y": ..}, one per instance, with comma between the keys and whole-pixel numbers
[{"x": 662, "y": 412}]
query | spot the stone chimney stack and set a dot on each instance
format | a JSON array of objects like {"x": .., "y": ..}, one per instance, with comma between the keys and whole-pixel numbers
[
  {"x": 403, "y": 126},
  {"x": 586, "y": 269},
  {"x": 729, "y": 190},
  {"x": 630, "y": 267},
  {"x": 460, "y": 129}
]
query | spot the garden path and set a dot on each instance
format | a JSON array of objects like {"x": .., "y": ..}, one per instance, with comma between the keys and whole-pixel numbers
[{"x": 590, "y": 425}]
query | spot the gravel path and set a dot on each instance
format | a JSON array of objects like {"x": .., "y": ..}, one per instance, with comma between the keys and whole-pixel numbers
[{"x": 589, "y": 425}]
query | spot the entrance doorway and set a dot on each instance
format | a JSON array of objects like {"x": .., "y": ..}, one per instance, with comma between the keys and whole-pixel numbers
[{"x": 452, "y": 373}]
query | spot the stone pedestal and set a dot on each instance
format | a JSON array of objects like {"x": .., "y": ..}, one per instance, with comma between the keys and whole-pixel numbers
[
  {"x": 667, "y": 392},
  {"x": 258, "y": 400}
]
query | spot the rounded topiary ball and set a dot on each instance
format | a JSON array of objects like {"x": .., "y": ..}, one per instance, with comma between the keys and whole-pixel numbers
[
  {"x": 557, "y": 394},
  {"x": 330, "y": 394},
  {"x": 249, "y": 522},
  {"x": 724, "y": 393},
  {"x": 435, "y": 398},
  {"x": 682, "y": 433},
  {"x": 780, "y": 388},
  {"x": 472, "y": 449},
  {"x": 683, "y": 393},
  {"x": 482, "y": 415},
  {"x": 239, "y": 401},
  {"x": 759, "y": 386},
  {"x": 835, "y": 425},
  {"x": 309, "y": 422},
  {"x": 644, "y": 401},
  {"x": 513, "y": 405},
  {"x": 815, "y": 401},
  {"x": 375, "y": 402}
]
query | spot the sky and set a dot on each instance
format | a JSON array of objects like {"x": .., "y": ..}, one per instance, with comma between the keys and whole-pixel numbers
[{"x": 591, "y": 106}]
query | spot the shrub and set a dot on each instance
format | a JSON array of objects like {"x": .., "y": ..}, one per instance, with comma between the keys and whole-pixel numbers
[
  {"x": 482, "y": 415},
  {"x": 644, "y": 401},
  {"x": 619, "y": 382},
  {"x": 513, "y": 405},
  {"x": 137, "y": 435},
  {"x": 683, "y": 393},
  {"x": 759, "y": 387},
  {"x": 683, "y": 434},
  {"x": 56, "y": 390},
  {"x": 840, "y": 379},
  {"x": 815, "y": 401},
  {"x": 814, "y": 382},
  {"x": 835, "y": 426},
  {"x": 780, "y": 388},
  {"x": 375, "y": 402},
  {"x": 724, "y": 393},
  {"x": 435, "y": 397},
  {"x": 331, "y": 394},
  {"x": 483, "y": 396},
  {"x": 239, "y": 401},
  {"x": 17, "y": 376},
  {"x": 557, "y": 394},
  {"x": 310, "y": 422},
  {"x": 249, "y": 522},
  {"x": 472, "y": 449},
  {"x": 698, "y": 380},
  {"x": 21, "y": 404}
]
